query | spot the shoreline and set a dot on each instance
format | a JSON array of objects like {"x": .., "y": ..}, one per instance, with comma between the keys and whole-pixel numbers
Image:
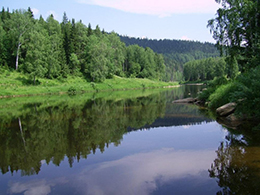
[{"x": 82, "y": 91}]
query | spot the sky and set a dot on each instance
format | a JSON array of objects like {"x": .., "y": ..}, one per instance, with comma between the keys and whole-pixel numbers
[{"x": 152, "y": 19}]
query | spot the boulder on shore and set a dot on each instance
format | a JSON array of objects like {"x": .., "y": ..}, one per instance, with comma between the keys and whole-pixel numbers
[
  {"x": 230, "y": 121},
  {"x": 226, "y": 109},
  {"x": 186, "y": 101}
]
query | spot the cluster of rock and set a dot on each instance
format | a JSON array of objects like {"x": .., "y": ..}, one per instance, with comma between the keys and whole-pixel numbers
[
  {"x": 225, "y": 113},
  {"x": 227, "y": 117}
]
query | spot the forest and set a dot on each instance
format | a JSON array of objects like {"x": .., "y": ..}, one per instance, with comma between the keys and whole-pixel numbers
[
  {"x": 236, "y": 28},
  {"x": 205, "y": 69},
  {"x": 175, "y": 52},
  {"x": 49, "y": 49}
]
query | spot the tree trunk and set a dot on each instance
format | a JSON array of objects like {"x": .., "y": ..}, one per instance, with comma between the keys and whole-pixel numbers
[
  {"x": 17, "y": 56},
  {"x": 21, "y": 130}
]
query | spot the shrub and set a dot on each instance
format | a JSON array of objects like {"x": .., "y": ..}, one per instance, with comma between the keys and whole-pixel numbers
[
  {"x": 218, "y": 81},
  {"x": 212, "y": 86},
  {"x": 223, "y": 95},
  {"x": 248, "y": 91}
]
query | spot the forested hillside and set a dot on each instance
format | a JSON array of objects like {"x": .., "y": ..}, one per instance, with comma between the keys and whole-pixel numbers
[
  {"x": 176, "y": 52},
  {"x": 49, "y": 49}
]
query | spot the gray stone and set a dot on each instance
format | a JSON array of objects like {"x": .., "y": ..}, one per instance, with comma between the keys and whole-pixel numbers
[
  {"x": 185, "y": 101},
  {"x": 226, "y": 109}
]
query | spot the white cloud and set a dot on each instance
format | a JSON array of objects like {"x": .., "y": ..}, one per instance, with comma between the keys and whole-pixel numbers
[
  {"x": 162, "y": 8},
  {"x": 35, "y": 11},
  {"x": 137, "y": 174},
  {"x": 40, "y": 187},
  {"x": 185, "y": 126},
  {"x": 33, "y": 187}
]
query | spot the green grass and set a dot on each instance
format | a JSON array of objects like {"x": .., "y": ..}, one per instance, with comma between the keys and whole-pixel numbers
[{"x": 14, "y": 84}]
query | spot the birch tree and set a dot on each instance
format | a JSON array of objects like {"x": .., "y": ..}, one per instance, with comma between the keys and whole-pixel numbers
[{"x": 19, "y": 24}]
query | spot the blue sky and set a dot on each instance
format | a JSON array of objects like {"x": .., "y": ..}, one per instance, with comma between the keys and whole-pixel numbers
[{"x": 153, "y": 19}]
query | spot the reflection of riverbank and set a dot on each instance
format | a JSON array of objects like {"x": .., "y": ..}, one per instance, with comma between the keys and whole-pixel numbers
[
  {"x": 237, "y": 166},
  {"x": 198, "y": 84}
]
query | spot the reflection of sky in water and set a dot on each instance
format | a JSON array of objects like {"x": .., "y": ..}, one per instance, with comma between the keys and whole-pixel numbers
[{"x": 169, "y": 160}]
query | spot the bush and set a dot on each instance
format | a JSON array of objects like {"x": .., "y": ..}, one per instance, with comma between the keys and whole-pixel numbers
[
  {"x": 248, "y": 91},
  {"x": 223, "y": 95},
  {"x": 212, "y": 86},
  {"x": 218, "y": 81}
]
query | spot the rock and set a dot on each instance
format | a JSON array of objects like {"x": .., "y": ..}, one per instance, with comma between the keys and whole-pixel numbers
[
  {"x": 185, "y": 101},
  {"x": 226, "y": 109},
  {"x": 230, "y": 121}
]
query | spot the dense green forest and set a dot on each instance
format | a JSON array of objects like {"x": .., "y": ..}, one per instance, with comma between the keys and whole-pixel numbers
[
  {"x": 205, "y": 69},
  {"x": 236, "y": 28},
  {"x": 49, "y": 49},
  {"x": 175, "y": 52}
]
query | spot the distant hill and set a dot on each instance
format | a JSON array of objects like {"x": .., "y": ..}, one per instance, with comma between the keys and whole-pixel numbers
[{"x": 176, "y": 52}]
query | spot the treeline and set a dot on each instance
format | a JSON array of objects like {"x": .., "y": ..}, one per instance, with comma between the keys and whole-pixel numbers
[
  {"x": 205, "y": 69},
  {"x": 176, "y": 52},
  {"x": 51, "y": 49}
]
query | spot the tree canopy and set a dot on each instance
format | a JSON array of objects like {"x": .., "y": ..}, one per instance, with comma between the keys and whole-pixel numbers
[
  {"x": 236, "y": 29},
  {"x": 51, "y": 49}
]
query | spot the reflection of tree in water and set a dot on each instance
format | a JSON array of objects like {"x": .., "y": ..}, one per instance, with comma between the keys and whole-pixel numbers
[
  {"x": 237, "y": 166},
  {"x": 75, "y": 131},
  {"x": 39, "y": 132}
]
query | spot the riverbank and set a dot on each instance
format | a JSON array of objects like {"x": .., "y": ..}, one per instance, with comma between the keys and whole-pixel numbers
[{"x": 13, "y": 84}]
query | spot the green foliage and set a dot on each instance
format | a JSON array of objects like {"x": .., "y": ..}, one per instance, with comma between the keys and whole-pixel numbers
[
  {"x": 175, "y": 53},
  {"x": 236, "y": 30},
  {"x": 93, "y": 85},
  {"x": 211, "y": 87},
  {"x": 205, "y": 69},
  {"x": 223, "y": 95},
  {"x": 24, "y": 85},
  {"x": 55, "y": 128},
  {"x": 49, "y": 49},
  {"x": 244, "y": 90},
  {"x": 248, "y": 93},
  {"x": 72, "y": 91}
]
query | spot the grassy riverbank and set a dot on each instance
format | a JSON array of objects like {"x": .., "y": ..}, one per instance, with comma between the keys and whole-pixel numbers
[
  {"x": 14, "y": 84},
  {"x": 244, "y": 90}
]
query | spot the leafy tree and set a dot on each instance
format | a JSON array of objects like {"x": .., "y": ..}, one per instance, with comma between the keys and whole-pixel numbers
[
  {"x": 81, "y": 41},
  {"x": 118, "y": 53},
  {"x": 160, "y": 66},
  {"x": 71, "y": 48},
  {"x": 36, "y": 56},
  {"x": 97, "y": 64},
  {"x": 75, "y": 64},
  {"x": 3, "y": 52},
  {"x": 19, "y": 26},
  {"x": 232, "y": 67},
  {"x": 55, "y": 54},
  {"x": 236, "y": 29},
  {"x": 175, "y": 52},
  {"x": 205, "y": 69}
]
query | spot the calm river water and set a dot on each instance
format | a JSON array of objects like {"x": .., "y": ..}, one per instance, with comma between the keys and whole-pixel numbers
[{"x": 123, "y": 144}]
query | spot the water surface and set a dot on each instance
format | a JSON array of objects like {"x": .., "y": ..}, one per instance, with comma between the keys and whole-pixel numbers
[{"x": 112, "y": 145}]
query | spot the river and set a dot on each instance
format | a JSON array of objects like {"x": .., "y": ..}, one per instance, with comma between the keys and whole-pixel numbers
[{"x": 132, "y": 142}]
